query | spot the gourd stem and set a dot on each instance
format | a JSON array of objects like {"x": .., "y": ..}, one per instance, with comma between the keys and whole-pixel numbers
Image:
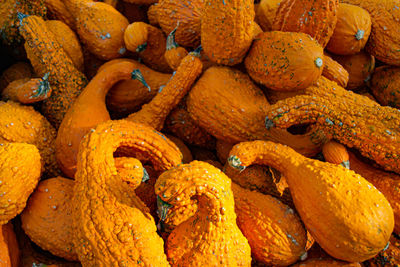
[
  {"x": 137, "y": 75},
  {"x": 141, "y": 47},
  {"x": 146, "y": 176},
  {"x": 197, "y": 51},
  {"x": 43, "y": 88},
  {"x": 171, "y": 44}
]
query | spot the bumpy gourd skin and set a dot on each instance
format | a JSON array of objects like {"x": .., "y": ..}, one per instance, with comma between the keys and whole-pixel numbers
[
  {"x": 210, "y": 237},
  {"x": 227, "y": 30},
  {"x": 275, "y": 233},
  {"x": 388, "y": 257},
  {"x": 23, "y": 124},
  {"x": 354, "y": 120},
  {"x": 20, "y": 170},
  {"x": 112, "y": 226},
  {"x": 385, "y": 86},
  {"x": 347, "y": 216},
  {"x": 56, "y": 9},
  {"x": 27, "y": 91}
]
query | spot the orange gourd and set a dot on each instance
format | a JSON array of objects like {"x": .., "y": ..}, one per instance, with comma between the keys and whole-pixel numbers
[
  {"x": 336, "y": 153},
  {"x": 174, "y": 53},
  {"x": 385, "y": 86},
  {"x": 57, "y": 10},
  {"x": 326, "y": 263},
  {"x": 387, "y": 257},
  {"x": 335, "y": 72},
  {"x": 265, "y": 13},
  {"x": 187, "y": 155},
  {"x": 9, "y": 251},
  {"x": 17, "y": 71}
]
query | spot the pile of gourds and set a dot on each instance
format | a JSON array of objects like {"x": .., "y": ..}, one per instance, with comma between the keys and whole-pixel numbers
[{"x": 200, "y": 133}]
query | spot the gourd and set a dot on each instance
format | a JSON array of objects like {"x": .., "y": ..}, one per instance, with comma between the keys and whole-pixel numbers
[
  {"x": 183, "y": 126},
  {"x": 174, "y": 53},
  {"x": 265, "y": 13},
  {"x": 28, "y": 91},
  {"x": 9, "y": 21},
  {"x": 65, "y": 79},
  {"x": 326, "y": 262},
  {"x": 336, "y": 153},
  {"x": 345, "y": 214},
  {"x": 274, "y": 231},
  {"x": 187, "y": 155},
  {"x": 152, "y": 15},
  {"x": 210, "y": 237},
  {"x": 352, "y": 30},
  {"x": 335, "y": 72},
  {"x": 222, "y": 149},
  {"x": 57, "y": 10},
  {"x": 105, "y": 203},
  {"x": 384, "y": 40},
  {"x": 100, "y": 27},
  {"x": 149, "y": 42},
  {"x": 88, "y": 110},
  {"x": 47, "y": 218},
  {"x": 128, "y": 96},
  {"x": 187, "y": 13},
  {"x": 20, "y": 171},
  {"x": 9, "y": 251},
  {"x": 227, "y": 30},
  {"x": 19, "y": 70},
  {"x": 285, "y": 61},
  {"x": 22, "y": 124},
  {"x": 360, "y": 122},
  {"x": 360, "y": 67},
  {"x": 387, "y": 257},
  {"x": 238, "y": 110},
  {"x": 316, "y": 18},
  {"x": 384, "y": 85}
]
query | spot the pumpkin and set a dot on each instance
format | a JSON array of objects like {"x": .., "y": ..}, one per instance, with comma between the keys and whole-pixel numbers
[
  {"x": 149, "y": 42},
  {"x": 20, "y": 170},
  {"x": 285, "y": 61},
  {"x": 100, "y": 27},
  {"x": 316, "y": 18},
  {"x": 360, "y": 67},
  {"x": 227, "y": 30},
  {"x": 174, "y": 53},
  {"x": 66, "y": 80},
  {"x": 384, "y": 86},
  {"x": 104, "y": 200},
  {"x": 351, "y": 32},
  {"x": 27, "y": 91},
  {"x": 265, "y": 13},
  {"x": 23, "y": 124},
  {"x": 349, "y": 218},
  {"x": 17, "y": 71},
  {"x": 9, "y": 251},
  {"x": 360, "y": 122},
  {"x": 238, "y": 110},
  {"x": 384, "y": 40},
  {"x": 187, "y": 13},
  {"x": 336, "y": 153},
  {"x": 57, "y": 10},
  {"x": 47, "y": 218},
  {"x": 388, "y": 257},
  {"x": 335, "y": 72},
  {"x": 211, "y": 236}
]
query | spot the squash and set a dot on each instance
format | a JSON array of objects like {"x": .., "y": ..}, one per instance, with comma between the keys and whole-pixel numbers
[
  {"x": 335, "y": 72},
  {"x": 174, "y": 53},
  {"x": 9, "y": 251},
  {"x": 104, "y": 204},
  {"x": 360, "y": 122},
  {"x": 285, "y": 61},
  {"x": 227, "y": 30},
  {"x": 385, "y": 86},
  {"x": 360, "y": 67},
  {"x": 47, "y": 218},
  {"x": 349, "y": 218},
  {"x": 17, "y": 71},
  {"x": 316, "y": 18},
  {"x": 149, "y": 42},
  {"x": 384, "y": 40},
  {"x": 100, "y": 27},
  {"x": 265, "y": 13},
  {"x": 28, "y": 91},
  {"x": 66, "y": 80},
  {"x": 211, "y": 236},
  {"x": 336, "y": 153},
  {"x": 23, "y": 124},
  {"x": 20, "y": 171},
  {"x": 57, "y": 10},
  {"x": 351, "y": 32},
  {"x": 238, "y": 110}
]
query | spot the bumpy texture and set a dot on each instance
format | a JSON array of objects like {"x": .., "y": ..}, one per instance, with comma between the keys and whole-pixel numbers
[
  {"x": 174, "y": 53},
  {"x": 112, "y": 226},
  {"x": 385, "y": 86},
  {"x": 9, "y": 250},
  {"x": 275, "y": 233},
  {"x": 227, "y": 30},
  {"x": 210, "y": 237},
  {"x": 56, "y": 9},
  {"x": 388, "y": 257},
  {"x": 349, "y": 218},
  {"x": 238, "y": 110},
  {"x": 19, "y": 70},
  {"x": 155, "y": 112},
  {"x": 335, "y": 72},
  {"x": 20, "y": 170},
  {"x": 314, "y": 17},
  {"x": 384, "y": 40},
  {"x": 352, "y": 30},
  {"x": 100, "y": 27},
  {"x": 65, "y": 79},
  {"x": 285, "y": 61},
  {"x": 47, "y": 218},
  {"x": 265, "y": 13},
  {"x": 28, "y": 91},
  {"x": 354, "y": 120},
  {"x": 23, "y": 124}
]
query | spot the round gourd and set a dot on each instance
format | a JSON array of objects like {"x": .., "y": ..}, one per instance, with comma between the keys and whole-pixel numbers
[
  {"x": 285, "y": 61},
  {"x": 385, "y": 86}
]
